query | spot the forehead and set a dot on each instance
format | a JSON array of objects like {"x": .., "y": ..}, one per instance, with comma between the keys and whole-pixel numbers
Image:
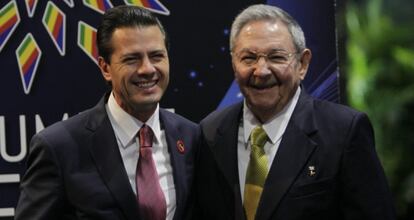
[
  {"x": 264, "y": 35},
  {"x": 137, "y": 36}
]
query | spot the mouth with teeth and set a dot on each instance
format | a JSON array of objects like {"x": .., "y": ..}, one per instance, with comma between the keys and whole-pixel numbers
[{"x": 146, "y": 84}]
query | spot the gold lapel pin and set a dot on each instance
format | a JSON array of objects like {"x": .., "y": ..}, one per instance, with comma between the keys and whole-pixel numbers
[{"x": 312, "y": 170}]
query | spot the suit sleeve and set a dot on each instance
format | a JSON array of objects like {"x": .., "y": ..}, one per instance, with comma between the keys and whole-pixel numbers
[
  {"x": 365, "y": 189},
  {"x": 41, "y": 194}
]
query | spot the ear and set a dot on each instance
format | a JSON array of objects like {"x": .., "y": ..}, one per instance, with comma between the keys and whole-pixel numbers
[
  {"x": 234, "y": 67},
  {"x": 304, "y": 62},
  {"x": 104, "y": 66}
]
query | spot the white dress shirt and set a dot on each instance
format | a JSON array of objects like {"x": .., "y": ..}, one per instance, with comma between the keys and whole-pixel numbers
[
  {"x": 274, "y": 128},
  {"x": 126, "y": 128}
]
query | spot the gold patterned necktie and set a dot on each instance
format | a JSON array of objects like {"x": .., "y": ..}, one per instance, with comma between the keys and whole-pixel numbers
[{"x": 256, "y": 172}]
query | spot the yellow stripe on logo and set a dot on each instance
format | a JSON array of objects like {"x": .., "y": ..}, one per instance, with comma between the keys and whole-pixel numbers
[
  {"x": 88, "y": 39},
  {"x": 52, "y": 19},
  {"x": 27, "y": 52},
  {"x": 95, "y": 3},
  {"x": 137, "y": 3},
  {"x": 7, "y": 16}
]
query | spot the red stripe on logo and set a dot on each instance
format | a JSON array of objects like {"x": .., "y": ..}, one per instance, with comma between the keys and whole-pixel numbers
[
  {"x": 30, "y": 61},
  {"x": 94, "y": 47},
  {"x": 146, "y": 3},
  {"x": 101, "y": 5},
  {"x": 57, "y": 26},
  {"x": 8, "y": 24}
]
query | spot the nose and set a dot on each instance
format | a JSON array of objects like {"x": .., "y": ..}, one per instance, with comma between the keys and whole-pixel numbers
[
  {"x": 261, "y": 68},
  {"x": 146, "y": 66}
]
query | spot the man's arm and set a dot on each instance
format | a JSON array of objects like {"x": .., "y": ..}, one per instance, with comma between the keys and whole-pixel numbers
[
  {"x": 41, "y": 193},
  {"x": 365, "y": 192}
]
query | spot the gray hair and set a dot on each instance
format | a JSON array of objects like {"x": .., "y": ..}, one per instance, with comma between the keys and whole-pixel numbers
[{"x": 261, "y": 12}]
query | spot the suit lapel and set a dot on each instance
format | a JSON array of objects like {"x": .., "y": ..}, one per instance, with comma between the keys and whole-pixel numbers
[
  {"x": 177, "y": 160},
  {"x": 225, "y": 152},
  {"x": 104, "y": 150},
  {"x": 295, "y": 149}
]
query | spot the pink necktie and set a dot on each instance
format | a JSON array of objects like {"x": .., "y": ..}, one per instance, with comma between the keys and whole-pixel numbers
[{"x": 151, "y": 200}]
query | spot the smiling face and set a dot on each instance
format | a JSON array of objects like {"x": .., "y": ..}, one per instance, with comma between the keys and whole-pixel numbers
[
  {"x": 267, "y": 67},
  {"x": 138, "y": 69}
]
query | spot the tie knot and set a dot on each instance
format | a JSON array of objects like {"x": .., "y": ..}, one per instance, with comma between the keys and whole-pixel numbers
[
  {"x": 145, "y": 136},
  {"x": 258, "y": 137}
]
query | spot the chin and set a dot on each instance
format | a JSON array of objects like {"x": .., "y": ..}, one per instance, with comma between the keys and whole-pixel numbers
[
  {"x": 260, "y": 105},
  {"x": 265, "y": 103},
  {"x": 146, "y": 106},
  {"x": 146, "y": 102}
]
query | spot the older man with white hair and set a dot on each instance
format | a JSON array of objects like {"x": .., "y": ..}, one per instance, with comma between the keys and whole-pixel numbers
[{"x": 281, "y": 154}]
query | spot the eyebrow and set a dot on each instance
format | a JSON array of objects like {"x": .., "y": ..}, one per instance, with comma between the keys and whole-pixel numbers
[
  {"x": 272, "y": 50},
  {"x": 138, "y": 54},
  {"x": 158, "y": 51},
  {"x": 135, "y": 54}
]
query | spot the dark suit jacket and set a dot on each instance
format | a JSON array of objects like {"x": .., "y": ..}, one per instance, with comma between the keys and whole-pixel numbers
[
  {"x": 75, "y": 170},
  {"x": 337, "y": 141}
]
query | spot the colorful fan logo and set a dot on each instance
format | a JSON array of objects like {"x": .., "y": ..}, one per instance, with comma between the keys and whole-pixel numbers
[
  {"x": 28, "y": 57},
  {"x": 152, "y": 5},
  {"x": 9, "y": 19},
  {"x": 87, "y": 40},
  {"x": 31, "y": 7},
  {"x": 54, "y": 21},
  {"x": 98, "y": 5}
]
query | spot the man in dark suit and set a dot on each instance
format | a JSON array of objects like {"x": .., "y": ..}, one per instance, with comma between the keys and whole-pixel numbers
[
  {"x": 281, "y": 154},
  {"x": 126, "y": 158}
]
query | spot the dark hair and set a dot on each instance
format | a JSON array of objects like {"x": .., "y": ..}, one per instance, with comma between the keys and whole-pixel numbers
[{"x": 123, "y": 16}]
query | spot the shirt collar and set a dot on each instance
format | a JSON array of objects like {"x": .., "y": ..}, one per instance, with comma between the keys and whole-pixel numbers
[
  {"x": 275, "y": 127},
  {"x": 126, "y": 127}
]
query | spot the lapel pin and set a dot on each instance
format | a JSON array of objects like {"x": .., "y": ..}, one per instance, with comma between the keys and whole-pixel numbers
[
  {"x": 180, "y": 146},
  {"x": 312, "y": 170}
]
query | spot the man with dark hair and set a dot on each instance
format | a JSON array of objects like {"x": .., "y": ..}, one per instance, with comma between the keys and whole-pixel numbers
[
  {"x": 126, "y": 158},
  {"x": 281, "y": 154}
]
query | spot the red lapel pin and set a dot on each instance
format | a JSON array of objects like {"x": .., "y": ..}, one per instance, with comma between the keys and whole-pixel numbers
[{"x": 180, "y": 146}]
